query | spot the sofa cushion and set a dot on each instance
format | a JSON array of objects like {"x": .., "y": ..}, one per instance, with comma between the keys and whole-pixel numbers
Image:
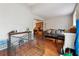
[
  {"x": 53, "y": 31},
  {"x": 59, "y": 31},
  {"x": 48, "y": 31}
]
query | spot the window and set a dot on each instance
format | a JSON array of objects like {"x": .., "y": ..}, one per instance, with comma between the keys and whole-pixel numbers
[{"x": 74, "y": 19}]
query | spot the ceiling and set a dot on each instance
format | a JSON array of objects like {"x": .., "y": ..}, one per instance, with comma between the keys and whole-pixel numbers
[{"x": 51, "y": 9}]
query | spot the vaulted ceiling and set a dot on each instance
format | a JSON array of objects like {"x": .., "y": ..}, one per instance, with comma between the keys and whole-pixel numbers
[{"x": 51, "y": 9}]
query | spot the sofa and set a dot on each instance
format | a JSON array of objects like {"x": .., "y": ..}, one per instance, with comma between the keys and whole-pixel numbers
[{"x": 54, "y": 33}]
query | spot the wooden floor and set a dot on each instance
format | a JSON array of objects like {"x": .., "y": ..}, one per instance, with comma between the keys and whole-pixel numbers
[
  {"x": 38, "y": 47},
  {"x": 50, "y": 48}
]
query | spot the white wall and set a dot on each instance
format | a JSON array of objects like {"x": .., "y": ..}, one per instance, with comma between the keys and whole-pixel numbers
[
  {"x": 14, "y": 16},
  {"x": 62, "y": 22}
]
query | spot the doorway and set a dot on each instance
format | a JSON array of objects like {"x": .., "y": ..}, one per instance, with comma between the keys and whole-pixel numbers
[{"x": 38, "y": 30}]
